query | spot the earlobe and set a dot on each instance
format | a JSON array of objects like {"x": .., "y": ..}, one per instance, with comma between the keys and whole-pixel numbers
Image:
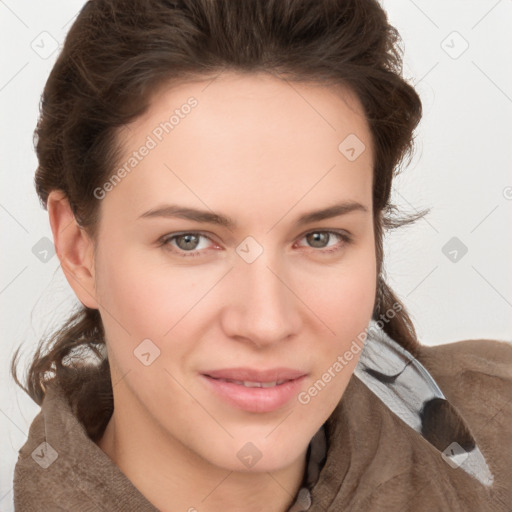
[{"x": 74, "y": 248}]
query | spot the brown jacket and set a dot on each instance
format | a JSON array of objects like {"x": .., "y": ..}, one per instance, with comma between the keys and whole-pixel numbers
[{"x": 374, "y": 461}]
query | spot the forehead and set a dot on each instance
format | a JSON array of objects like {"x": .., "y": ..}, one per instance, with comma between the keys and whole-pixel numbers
[
  {"x": 249, "y": 101},
  {"x": 252, "y": 135}
]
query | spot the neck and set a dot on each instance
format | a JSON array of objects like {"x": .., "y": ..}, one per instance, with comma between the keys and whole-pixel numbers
[{"x": 172, "y": 477}]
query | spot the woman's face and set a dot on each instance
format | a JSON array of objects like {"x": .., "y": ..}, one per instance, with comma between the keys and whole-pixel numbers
[{"x": 188, "y": 294}]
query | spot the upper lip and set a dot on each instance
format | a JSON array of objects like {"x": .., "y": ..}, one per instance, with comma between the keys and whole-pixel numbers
[{"x": 252, "y": 375}]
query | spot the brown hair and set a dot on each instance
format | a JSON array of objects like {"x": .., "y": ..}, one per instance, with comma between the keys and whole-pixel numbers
[{"x": 119, "y": 52}]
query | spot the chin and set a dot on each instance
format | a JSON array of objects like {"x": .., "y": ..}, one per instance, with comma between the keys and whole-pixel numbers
[{"x": 259, "y": 455}]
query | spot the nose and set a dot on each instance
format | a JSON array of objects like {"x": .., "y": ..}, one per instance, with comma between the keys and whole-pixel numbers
[{"x": 264, "y": 307}]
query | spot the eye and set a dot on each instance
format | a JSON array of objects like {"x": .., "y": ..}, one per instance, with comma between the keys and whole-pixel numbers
[
  {"x": 184, "y": 243},
  {"x": 188, "y": 244},
  {"x": 318, "y": 240}
]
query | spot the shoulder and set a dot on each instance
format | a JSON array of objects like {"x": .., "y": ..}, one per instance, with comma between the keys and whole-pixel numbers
[
  {"x": 473, "y": 374},
  {"x": 476, "y": 378},
  {"x": 479, "y": 360}
]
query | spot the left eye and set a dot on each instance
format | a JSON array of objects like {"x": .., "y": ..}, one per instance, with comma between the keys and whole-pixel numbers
[
  {"x": 317, "y": 238},
  {"x": 187, "y": 244}
]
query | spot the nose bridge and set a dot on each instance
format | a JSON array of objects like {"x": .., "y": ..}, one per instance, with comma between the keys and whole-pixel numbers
[{"x": 267, "y": 306}]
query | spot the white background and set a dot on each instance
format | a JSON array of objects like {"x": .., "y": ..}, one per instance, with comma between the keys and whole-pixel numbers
[{"x": 461, "y": 170}]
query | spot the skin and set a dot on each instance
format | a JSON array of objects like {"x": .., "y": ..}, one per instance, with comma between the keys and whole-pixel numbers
[{"x": 263, "y": 152}]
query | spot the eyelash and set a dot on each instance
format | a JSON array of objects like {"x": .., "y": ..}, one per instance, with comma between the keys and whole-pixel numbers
[{"x": 165, "y": 241}]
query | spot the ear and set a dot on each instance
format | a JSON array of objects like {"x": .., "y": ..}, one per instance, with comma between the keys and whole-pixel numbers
[{"x": 74, "y": 248}]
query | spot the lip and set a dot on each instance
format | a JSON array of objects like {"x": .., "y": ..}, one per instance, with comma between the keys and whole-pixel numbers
[
  {"x": 259, "y": 400},
  {"x": 250, "y": 374},
  {"x": 255, "y": 399}
]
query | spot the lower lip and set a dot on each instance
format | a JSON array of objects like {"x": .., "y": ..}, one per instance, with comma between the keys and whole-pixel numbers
[{"x": 256, "y": 399}]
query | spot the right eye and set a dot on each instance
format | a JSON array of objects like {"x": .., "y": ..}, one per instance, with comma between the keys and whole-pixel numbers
[{"x": 185, "y": 243}]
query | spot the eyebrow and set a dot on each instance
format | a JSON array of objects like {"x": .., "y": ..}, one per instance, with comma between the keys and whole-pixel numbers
[{"x": 204, "y": 216}]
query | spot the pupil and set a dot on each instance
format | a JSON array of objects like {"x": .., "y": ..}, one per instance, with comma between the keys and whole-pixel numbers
[{"x": 314, "y": 238}]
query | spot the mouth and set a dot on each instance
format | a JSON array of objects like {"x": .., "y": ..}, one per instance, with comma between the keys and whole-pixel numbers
[
  {"x": 258, "y": 396},
  {"x": 253, "y": 384},
  {"x": 251, "y": 375}
]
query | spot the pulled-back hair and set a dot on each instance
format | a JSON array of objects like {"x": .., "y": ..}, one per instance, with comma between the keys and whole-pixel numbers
[{"x": 119, "y": 52}]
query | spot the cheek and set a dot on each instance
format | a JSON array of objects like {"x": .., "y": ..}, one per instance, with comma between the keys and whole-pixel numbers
[
  {"x": 344, "y": 305},
  {"x": 343, "y": 295},
  {"x": 130, "y": 305},
  {"x": 137, "y": 293},
  {"x": 355, "y": 298},
  {"x": 141, "y": 300}
]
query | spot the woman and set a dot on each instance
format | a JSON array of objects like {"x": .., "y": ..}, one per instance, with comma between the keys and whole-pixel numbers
[{"x": 217, "y": 176}]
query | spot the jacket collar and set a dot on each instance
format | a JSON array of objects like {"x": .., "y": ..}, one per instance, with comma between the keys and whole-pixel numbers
[{"x": 405, "y": 386}]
